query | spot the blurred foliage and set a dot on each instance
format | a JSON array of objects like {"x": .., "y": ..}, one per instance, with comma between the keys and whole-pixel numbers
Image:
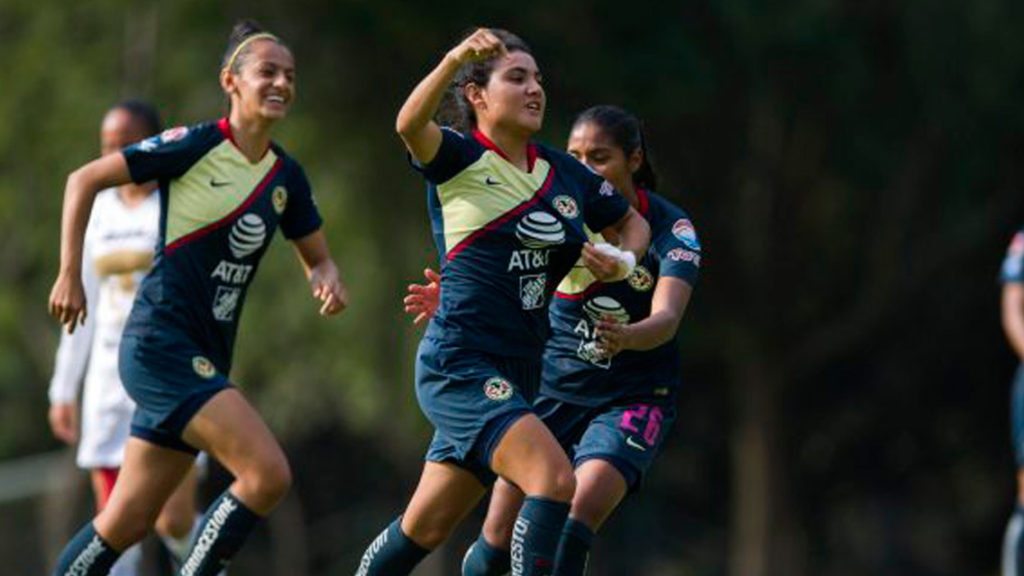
[{"x": 853, "y": 169}]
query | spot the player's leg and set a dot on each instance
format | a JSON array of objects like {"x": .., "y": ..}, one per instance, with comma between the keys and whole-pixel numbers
[
  {"x": 103, "y": 480},
  {"x": 444, "y": 496},
  {"x": 148, "y": 476},
  {"x": 529, "y": 456},
  {"x": 600, "y": 487},
  {"x": 174, "y": 525},
  {"x": 231, "y": 431},
  {"x": 617, "y": 448},
  {"x": 489, "y": 555}
]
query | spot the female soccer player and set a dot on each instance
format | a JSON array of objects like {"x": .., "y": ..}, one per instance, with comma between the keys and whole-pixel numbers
[
  {"x": 1012, "y": 278},
  {"x": 508, "y": 219},
  {"x": 611, "y": 368},
  {"x": 226, "y": 189},
  {"x": 117, "y": 252}
]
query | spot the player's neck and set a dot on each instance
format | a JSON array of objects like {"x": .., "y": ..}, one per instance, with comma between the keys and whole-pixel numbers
[
  {"x": 252, "y": 138},
  {"x": 513, "y": 145}
]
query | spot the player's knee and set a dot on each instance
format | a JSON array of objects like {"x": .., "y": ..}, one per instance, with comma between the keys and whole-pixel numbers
[
  {"x": 563, "y": 485},
  {"x": 431, "y": 532},
  {"x": 124, "y": 526},
  {"x": 267, "y": 483},
  {"x": 498, "y": 533}
]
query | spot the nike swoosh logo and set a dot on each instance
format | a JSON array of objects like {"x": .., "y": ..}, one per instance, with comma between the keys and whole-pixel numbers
[
  {"x": 217, "y": 184},
  {"x": 491, "y": 181},
  {"x": 634, "y": 444}
]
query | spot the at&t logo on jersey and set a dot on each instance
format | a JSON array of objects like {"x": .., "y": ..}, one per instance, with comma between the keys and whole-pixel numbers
[
  {"x": 683, "y": 230},
  {"x": 602, "y": 307},
  {"x": 247, "y": 235},
  {"x": 566, "y": 206},
  {"x": 540, "y": 230},
  {"x": 497, "y": 389},
  {"x": 640, "y": 279}
]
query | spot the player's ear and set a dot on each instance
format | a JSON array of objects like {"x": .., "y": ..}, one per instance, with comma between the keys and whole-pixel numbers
[
  {"x": 227, "y": 81},
  {"x": 635, "y": 160},
  {"x": 474, "y": 95}
]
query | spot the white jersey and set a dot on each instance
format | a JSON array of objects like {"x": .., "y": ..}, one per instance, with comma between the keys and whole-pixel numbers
[{"x": 118, "y": 251}]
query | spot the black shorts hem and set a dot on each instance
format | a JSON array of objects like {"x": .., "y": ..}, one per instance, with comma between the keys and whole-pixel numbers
[
  {"x": 162, "y": 439},
  {"x": 630, "y": 472}
]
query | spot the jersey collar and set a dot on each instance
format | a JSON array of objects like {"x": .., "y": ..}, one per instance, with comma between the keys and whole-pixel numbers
[
  {"x": 645, "y": 204},
  {"x": 531, "y": 149},
  {"x": 225, "y": 128}
]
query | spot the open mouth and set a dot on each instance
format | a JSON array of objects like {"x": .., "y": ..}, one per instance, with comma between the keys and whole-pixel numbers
[
  {"x": 275, "y": 99},
  {"x": 534, "y": 107}
]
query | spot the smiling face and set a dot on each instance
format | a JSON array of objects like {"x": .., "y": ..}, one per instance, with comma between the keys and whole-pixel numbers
[
  {"x": 262, "y": 86},
  {"x": 513, "y": 98},
  {"x": 592, "y": 146}
]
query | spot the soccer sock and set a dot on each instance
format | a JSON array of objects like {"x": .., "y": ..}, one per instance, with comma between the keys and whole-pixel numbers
[
  {"x": 1013, "y": 544},
  {"x": 225, "y": 526},
  {"x": 482, "y": 559},
  {"x": 86, "y": 555},
  {"x": 391, "y": 553},
  {"x": 535, "y": 536},
  {"x": 573, "y": 549}
]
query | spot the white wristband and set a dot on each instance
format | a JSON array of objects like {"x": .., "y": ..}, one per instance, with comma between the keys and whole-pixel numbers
[{"x": 626, "y": 258}]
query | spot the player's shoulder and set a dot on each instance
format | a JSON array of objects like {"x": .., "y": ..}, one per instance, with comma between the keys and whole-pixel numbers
[
  {"x": 660, "y": 208},
  {"x": 204, "y": 134}
]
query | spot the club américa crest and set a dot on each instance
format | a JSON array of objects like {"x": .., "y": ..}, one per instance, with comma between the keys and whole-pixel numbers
[
  {"x": 498, "y": 389},
  {"x": 566, "y": 206},
  {"x": 640, "y": 279},
  {"x": 280, "y": 199},
  {"x": 203, "y": 367}
]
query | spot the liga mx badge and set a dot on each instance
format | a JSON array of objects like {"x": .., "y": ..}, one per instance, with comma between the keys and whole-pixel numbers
[
  {"x": 280, "y": 199},
  {"x": 225, "y": 300},
  {"x": 566, "y": 206},
  {"x": 203, "y": 367},
  {"x": 498, "y": 389}
]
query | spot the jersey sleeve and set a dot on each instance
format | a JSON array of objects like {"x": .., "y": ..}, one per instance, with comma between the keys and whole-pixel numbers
[
  {"x": 1013, "y": 264},
  {"x": 677, "y": 246},
  {"x": 455, "y": 154},
  {"x": 169, "y": 154},
  {"x": 300, "y": 217},
  {"x": 602, "y": 204},
  {"x": 73, "y": 351}
]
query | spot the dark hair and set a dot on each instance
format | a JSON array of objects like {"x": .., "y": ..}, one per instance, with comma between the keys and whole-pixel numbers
[
  {"x": 144, "y": 113},
  {"x": 456, "y": 110},
  {"x": 242, "y": 30},
  {"x": 627, "y": 133}
]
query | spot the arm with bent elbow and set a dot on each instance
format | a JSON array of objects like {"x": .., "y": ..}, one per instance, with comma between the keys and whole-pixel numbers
[{"x": 671, "y": 296}]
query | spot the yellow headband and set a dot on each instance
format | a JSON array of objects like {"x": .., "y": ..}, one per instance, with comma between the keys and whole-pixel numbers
[{"x": 246, "y": 42}]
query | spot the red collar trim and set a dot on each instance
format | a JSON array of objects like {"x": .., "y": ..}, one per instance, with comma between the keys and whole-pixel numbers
[
  {"x": 531, "y": 149},
  {"x": 644, "y": 201},
  {"x": 224, "y": 125},
  {"x": 225, "y": 128}
]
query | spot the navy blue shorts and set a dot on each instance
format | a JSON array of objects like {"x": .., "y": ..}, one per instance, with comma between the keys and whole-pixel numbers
[
  {"x": 471, "y": 398},
  {"x": 1017, "y": 416},
  {"x": 628, "y": 436},
  {"x": 169, "y": 382}
]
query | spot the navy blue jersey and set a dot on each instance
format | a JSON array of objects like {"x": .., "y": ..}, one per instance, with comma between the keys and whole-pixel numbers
[
  {"x": 506, "y": 237},
  {"x": 572, "y": 370},
  {"x": 1013, "y": 265},
  {"x": 219, "y": 212}
]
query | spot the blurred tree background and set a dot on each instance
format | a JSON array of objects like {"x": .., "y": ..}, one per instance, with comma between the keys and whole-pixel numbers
[{"x": 853, "y": 169}]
